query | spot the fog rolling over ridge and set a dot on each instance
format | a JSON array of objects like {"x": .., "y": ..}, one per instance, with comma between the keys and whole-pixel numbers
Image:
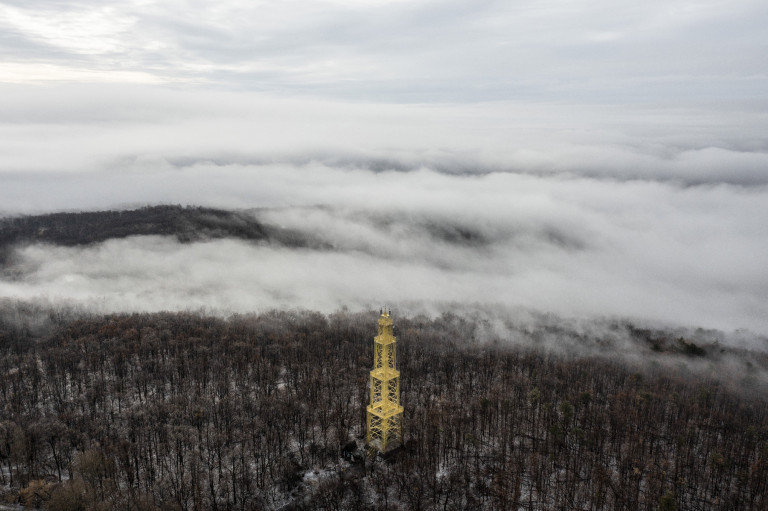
[
  {"x": 643, "y": 213},
  {"x": 425, "y": 241}
]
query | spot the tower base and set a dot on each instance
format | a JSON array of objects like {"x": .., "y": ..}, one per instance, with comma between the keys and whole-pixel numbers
[{"x": 385, "y": 428}]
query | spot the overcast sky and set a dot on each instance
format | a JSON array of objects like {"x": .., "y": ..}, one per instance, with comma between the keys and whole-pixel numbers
[
  {"x": 612, "y": 155},
  {"x": 400, "y": 51}
]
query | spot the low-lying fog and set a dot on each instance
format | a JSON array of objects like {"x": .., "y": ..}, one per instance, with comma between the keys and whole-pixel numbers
[
  {"x": 655, "y": 216},
  {"x": 689, "y": 256}
]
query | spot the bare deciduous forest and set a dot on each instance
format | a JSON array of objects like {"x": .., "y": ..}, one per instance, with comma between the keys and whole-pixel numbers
[
  {"x": 180, "y": 411},
  {"x": 186, "y": 224}
]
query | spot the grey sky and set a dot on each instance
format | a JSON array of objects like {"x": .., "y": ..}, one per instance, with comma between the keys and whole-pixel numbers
[{"x": 400, "y": 51}]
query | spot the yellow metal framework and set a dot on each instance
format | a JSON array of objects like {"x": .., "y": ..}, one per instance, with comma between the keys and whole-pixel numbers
[{"x": 385, "y": 415}]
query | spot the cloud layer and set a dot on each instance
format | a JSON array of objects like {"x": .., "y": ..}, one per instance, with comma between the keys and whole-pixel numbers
[
  {"x": 426, "y": 50},
  {"x": 132, "y": 144},
  {"x": 578, "y": 247}
]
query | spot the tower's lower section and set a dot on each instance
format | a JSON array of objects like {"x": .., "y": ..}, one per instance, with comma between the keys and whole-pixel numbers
[{"x": 385, "y": 428}]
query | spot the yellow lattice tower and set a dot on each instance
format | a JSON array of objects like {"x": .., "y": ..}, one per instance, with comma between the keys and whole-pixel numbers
[{"x": 385, "y": 415}]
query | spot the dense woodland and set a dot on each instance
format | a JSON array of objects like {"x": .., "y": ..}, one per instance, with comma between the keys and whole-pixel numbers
[{"x": 179, "y": 411}]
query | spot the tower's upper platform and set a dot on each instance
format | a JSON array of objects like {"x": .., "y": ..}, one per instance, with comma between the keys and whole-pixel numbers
[{"x": 385, "y": 325}]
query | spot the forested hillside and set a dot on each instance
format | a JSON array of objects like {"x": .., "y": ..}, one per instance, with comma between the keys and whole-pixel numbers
[
  {"x": 179, "y": 411},
  {"x": 185, "y": 223}
]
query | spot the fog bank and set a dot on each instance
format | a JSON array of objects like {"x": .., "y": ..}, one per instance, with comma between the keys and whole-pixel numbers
[
  {"x": 649, "y": 212},
  {"x": 577, "y": 247}
]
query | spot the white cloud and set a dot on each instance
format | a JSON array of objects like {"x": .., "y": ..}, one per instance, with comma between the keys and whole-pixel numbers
[
  {"x": 647, "y": 251},
  {"x": 117, "y": 128},
  {"x": 592, "y": 51},
  {"x": 28, "y": 73},
  {"x": 92, "y": 31}
]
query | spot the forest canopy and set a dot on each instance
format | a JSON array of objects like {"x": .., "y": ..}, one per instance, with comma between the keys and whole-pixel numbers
[{"x": 265, "y": 411}]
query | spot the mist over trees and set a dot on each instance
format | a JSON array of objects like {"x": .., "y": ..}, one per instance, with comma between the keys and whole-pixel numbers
[
  {"x": 181, "y": 411},
  {"x": 587, "y": 260}
]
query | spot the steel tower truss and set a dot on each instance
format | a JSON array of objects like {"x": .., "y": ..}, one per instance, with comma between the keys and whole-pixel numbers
[{"x": 385, "y": 414}]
